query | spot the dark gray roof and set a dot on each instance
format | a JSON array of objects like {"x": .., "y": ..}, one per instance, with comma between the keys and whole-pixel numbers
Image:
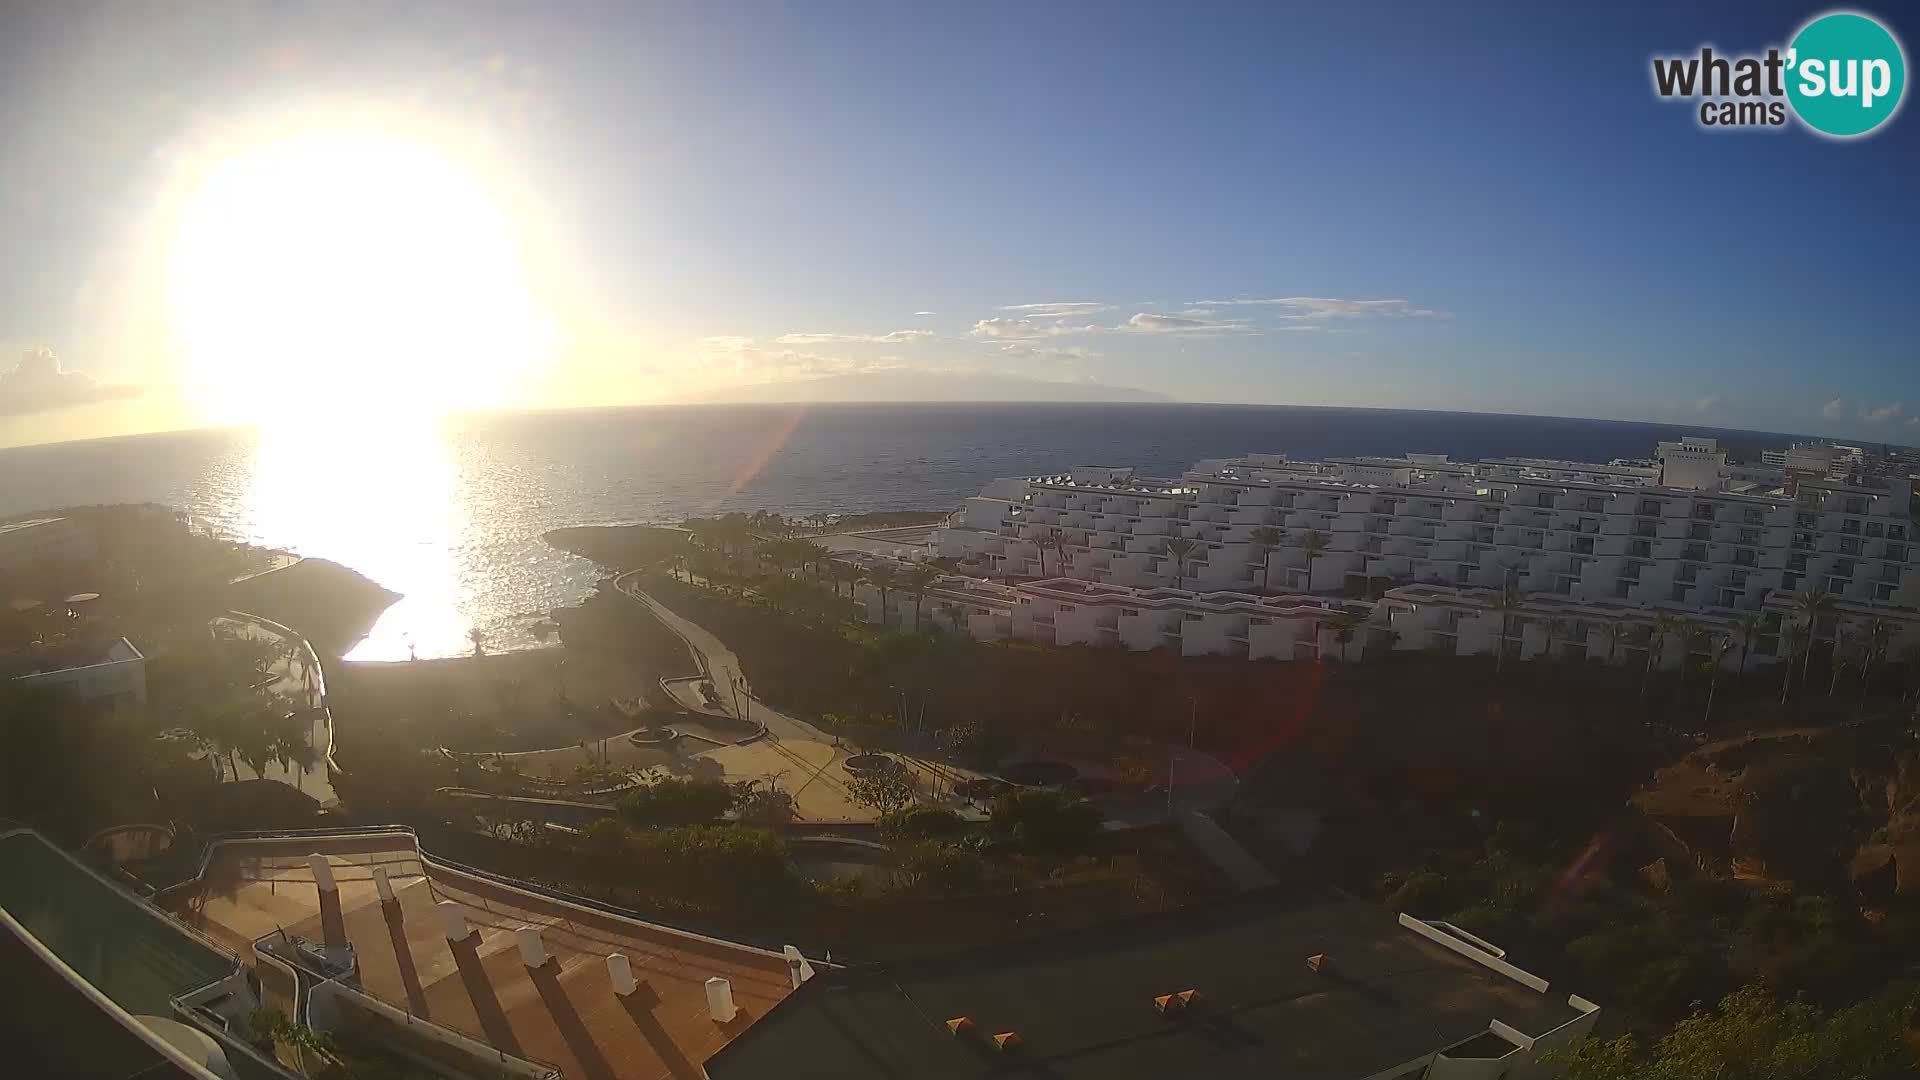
[{"x": 1082, "y": 1003}]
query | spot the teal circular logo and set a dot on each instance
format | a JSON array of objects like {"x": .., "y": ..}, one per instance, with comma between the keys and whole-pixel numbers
[{"x": 1845, "y": 74}]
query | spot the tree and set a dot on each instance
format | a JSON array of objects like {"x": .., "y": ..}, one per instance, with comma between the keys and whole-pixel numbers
[
  {"x": 1688, "y": 633},
  {"x": 1178, "y": 548},
  {"x": 1615, "y": 631},
  {"x": 759, "y": 802},
  {"x": 1877, "y": 634},
  {"x": 1752, "y": 1035},
  {"x": 882, "y": 577},
  {"x": 956, "y": 617},
  {"x": 1842, "y": 658},
  {"x": 885, "y": 791},
  {"x": 1748, "y": 628},
  {"x": 918, "y": 580},
  {"x": 1556, "y": 628},
  {"x": 479, "y": 639},
  {"x": 1313, "y": 543},
  {"x": 1506, "y": 602},
  {"x": 1716, "y": 653},
  {"x": 673, "y": 800},
  {"x": 1663, "y": 624},
  {"x": 1266, "y": 538},
  {"x": 1790, "y": 635},
  {"x": 1342, "y": 624},
  {"x": 1810, "y": 604},
  {"x": 1059, "y": 541},
  {"x": 1046, "y": 820}
]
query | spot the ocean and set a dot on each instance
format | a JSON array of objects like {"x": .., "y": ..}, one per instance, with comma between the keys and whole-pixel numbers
[{"x": 450, "y": 513}]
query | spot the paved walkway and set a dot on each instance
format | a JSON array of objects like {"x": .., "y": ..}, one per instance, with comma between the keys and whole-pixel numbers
[
  {"x": 723, "y": 669},
  {"x": 805, "y": 759}
]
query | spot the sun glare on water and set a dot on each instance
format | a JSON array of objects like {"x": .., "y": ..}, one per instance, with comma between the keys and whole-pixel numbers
[{"x": 332, "y": 274}]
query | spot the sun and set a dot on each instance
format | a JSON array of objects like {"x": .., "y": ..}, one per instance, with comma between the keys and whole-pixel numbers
[{"x": 349, "y": 272}]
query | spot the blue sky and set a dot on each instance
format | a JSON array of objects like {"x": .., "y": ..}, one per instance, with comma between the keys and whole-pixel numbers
[{"x": 1535, "y": 230}]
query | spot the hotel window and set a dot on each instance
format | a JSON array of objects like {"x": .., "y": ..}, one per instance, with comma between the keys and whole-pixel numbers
[
  {"x": 1129, "y": 611},
  {"x": 1595, "y": 504},
  {"x": 1874, "y": 528},
  {"x": 1700, "y": 532}
]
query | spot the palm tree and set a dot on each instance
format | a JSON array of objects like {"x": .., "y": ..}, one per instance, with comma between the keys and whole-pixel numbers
[
  {"x": 882, "y": 577},
  {"x": 1878, "y": 631},
  {"x": 1178, "y": 549},
  {"x": 956, "y": 617},
  {"x": 479, "y": 639},
  {"x": 1810, "y": 604},
  {"x": 1506, "y": 602},
  {"x": 1266, "y": 538},
  {"x": 853, "y": 576},
  {"x": 1342, "y": 624},
  {"x": 1749, "y": 628},
  {"x": 1842, "y": 656},
  {"x": 1313, "y": 544},
  {"x": 1716, "y": 652},
  {"x": 817, "y": 555},
  {"x": 1688, "y": 632},
  {"x": 917, "y": 581},
  {"x": 1615, "y": 631},
  {"x": 1656, "y": 638},
  {"x": 1790, "y": 636},
  {"x": 1556, "y": 628},
  {"x": 1059, "y": 540}
]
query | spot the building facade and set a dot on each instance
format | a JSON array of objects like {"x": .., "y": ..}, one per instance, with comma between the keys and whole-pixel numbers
[{"x": 1684, "y": 532}]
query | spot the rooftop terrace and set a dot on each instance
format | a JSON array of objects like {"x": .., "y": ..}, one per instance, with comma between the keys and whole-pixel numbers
[{"x": 564, "y": 1011}]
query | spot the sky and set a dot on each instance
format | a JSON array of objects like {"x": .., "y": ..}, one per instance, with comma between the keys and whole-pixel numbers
[{"x": 1479, "y": 207}]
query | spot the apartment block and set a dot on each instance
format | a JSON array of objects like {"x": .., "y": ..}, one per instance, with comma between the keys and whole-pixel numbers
[{"x": 1682, "y": 531}]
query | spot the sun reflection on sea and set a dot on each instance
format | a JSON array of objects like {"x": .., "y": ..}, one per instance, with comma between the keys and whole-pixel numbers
[{"x": 382, "y": 500}]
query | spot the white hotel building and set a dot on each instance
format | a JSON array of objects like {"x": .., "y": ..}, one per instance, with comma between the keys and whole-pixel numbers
[{"x": 1686, "y": 532}]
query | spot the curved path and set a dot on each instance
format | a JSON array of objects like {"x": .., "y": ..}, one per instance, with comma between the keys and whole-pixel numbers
[{"x": 722, "y": 668}]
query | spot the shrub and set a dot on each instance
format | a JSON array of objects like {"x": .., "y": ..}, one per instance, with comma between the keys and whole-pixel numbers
[
  {"x": 730, "y": 862},
  {"x": 608, "y": 836},
  {"x": 885, "y": 791},
  {"x": 1046, "y": 821},
  {"x": 929, "y": 822},
  {"x": 931, "y": 866},
  {"x": 676, "y": 801},
  {"x": 1425, "y": 893}
]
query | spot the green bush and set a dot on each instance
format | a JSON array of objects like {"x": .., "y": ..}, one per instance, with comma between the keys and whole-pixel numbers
[
  {"x": 930, "y": 866},
  {"x": 1426, "y": 893},
  {"x": 1046, "y": 821},
  {"x": 928, "y": 822},
  {"x": 676, "y": 801}
]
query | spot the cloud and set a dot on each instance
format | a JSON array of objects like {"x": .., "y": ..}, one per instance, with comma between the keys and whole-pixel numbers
[
  {"x": 1710, "y": 403},
  {"x": 1883, "y": 413},
  {"x": 39, "y": 382},
  {"x": 1832, "y": 409},
  {"x": 1323, "y": 307},
  {"x": 1074, "y": 353},
  {"x": 896, "y": 337},
  {"x": 926, "y": 313},
  {"x": 1147, "y": 322},
  {"x": 1913, "y": 421},
  {"x": 1021, "y": 329},
  {"x": 1055, "y": 310}
]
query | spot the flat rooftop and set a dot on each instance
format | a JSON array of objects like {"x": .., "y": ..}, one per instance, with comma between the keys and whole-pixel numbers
[
  {"x": 1082, "y": 1003},
  {"x": 565, "y": 1013}
]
